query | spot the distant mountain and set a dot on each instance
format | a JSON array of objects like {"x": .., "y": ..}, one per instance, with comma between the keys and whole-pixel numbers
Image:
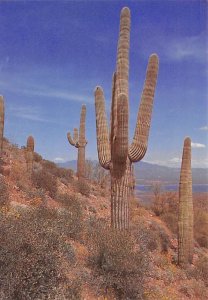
[
  {"x": 146, "y": 172},
  {"x": 72, "y": 164}
]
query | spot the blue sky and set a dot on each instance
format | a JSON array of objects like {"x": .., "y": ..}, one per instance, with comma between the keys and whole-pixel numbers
[{"x": 54, "y": 53}]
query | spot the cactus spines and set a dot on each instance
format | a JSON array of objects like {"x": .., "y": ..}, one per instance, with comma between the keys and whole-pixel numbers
[
  {"x": 114, "y": 152},
  {"x": 1, "y": 123},
  {"x": 79, "y": 141},
  {"x": 29, "y": 155},
  {"x": 185, "y": 218}
]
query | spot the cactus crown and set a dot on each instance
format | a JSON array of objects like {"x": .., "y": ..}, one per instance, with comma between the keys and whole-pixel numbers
[
  {"x": 113, "y": 149},
  {"x": 30, "y": 143}
]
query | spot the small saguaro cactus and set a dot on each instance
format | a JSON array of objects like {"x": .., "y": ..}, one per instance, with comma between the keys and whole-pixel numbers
[
  {"x": 79, "y": 141},
  {"x": 185, "y": 218},
  {"x": 113, "y": 150},
  {"x": 29, "y": 155},
  {"x": 1, "y": 123}
]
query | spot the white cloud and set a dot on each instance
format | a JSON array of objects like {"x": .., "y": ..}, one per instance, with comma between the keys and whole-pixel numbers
[
  {"x": 29, "y": 113},
  {"x": 172, "y": 162},
  {"x": 193, "y": 47},
  {"x": 178, "y": 48},
  {"x": 59, "y": 94},
  {"x": 197, "y": 145},
  {"x": 46, "y": 92},
  {"x": 59, "y": 159},
  {"x": 204, "y": 128},
  {"x": 175, "y": 160}
]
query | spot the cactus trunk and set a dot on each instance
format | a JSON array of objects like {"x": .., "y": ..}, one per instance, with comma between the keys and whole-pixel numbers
[
  {"x": 185, "y": 218},
  {"x": 81, "y": 162},
  {"x": 120, "y": 192},
  {"x": 114, "y": 152},
  {"x": 29, "y": 159},
  {"x": 80, "y": 142},
  {"x": 29, "y": 155},
  {"x": 1, "y": 123}
]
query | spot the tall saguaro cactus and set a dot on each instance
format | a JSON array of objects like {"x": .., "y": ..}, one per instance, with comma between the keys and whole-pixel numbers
[
  {"x": 113, "y": 150},
  {"x": 1, "y": 123},
  {"x": 185, "y": 218},
  {"x": 29, "y": 155},
  {"x": 79, "y": 141}
]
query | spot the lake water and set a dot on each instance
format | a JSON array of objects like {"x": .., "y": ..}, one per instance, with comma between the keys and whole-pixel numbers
[{"x": 197, "y": 188}]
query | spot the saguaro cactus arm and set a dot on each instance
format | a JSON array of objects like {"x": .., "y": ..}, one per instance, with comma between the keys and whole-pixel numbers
[
  {"x": 122, "y": 67},
  {"x": 73, "y": 141},
  {"x": 103, "y": 144},
  {"x": 1, "y": 122},
  {"x": 138, "y": 147}
]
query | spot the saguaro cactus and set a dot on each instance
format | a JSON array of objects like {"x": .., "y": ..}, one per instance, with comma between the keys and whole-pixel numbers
[
  {"x": 29, "y": 155},
  {"x": 185, "y": 218},
  {"x": 113, "y": 150},
  {"x": 79, "y": 141},
  {"x": 1, "y": 123}
]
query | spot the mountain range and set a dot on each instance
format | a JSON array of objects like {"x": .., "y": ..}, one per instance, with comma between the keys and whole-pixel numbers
[{"x": 147, "y": 172}]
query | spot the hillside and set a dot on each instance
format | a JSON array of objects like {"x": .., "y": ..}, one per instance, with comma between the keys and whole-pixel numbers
[
  {"x": 57, "y": 244},
  {"x": 146, "y": 172}
]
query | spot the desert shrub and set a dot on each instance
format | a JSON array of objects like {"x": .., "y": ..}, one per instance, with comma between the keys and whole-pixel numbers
[
  {"x": 71, "y": 215},
  {"x": 194, "y": 289},
  {"x": 83, "y": 187},
  {"x": 1, "y": 162},
  {"x": 171, "y": 220},
  {"x": 4, "y": 193},
  {"x": 201, "y": 227},
  {"x": 118, "y": 265},
  {"x": 46, "y": 181},
  {"x": 53, "y": 169},
  {"x": 72, "y": 291},
  {"x": 146, "y": 237},
  {"x": 152, "y": 237},
  {"x": 30, "y": 251},
  {"x": 200, "y": 270},
  {"x": 64, "y": 173},
  {"x": 49, "y": 165},
  {"x": 19, "y": 175},
  {"x": 37, "y": 157},
  {"x": 165, "y": 205}
]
